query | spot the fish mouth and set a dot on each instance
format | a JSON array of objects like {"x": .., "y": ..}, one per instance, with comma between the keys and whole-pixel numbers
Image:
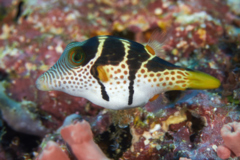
[{"x": 41, "y": 84}]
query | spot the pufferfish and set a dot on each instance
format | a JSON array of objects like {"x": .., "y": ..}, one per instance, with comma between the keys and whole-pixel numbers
[{"x": 117, "y": 73}]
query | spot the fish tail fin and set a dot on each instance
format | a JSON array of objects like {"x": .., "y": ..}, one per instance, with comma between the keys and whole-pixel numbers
[
  {"x": 200, "y": 80},
  {"x": 189, "y": 79}
]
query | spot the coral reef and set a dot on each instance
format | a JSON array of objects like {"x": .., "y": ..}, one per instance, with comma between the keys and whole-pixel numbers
[
  {"x": 188, "y": 130},
  {"x": 204, "y": 36}
]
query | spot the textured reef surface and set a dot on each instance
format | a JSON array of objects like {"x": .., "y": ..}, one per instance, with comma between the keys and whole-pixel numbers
[{"x": 205, "y": 35}]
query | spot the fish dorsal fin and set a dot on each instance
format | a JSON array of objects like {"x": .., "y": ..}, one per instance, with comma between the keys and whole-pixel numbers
[
  {"x": 102, "y": 74},
  {"x": 156, "y": 41}
]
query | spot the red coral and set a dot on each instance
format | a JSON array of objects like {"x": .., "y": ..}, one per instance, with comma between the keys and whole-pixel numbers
[{"x": 231, "y": 135}]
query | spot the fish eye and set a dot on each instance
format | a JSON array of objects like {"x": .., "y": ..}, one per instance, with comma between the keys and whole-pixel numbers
[{"x": 76, "y": 56}]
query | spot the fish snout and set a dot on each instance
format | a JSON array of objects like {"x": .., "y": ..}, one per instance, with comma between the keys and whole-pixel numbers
[{"x": 42, "y": 84}]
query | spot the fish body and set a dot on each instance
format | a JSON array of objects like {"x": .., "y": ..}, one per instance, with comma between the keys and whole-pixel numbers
[{"x": 116, "y": 73}]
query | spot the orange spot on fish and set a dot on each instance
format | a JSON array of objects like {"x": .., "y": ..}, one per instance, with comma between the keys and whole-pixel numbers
[
  {"x": 180, "y": 82},
  {"x": 179, "y": 72},
  {"x": 166, "y": 73},
  {"x": 179, "y": 77},
  {"x": 80, "y": 70}
]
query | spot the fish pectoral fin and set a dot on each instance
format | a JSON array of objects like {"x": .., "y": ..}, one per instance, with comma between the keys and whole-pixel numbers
[
  {"x": 156, "y": 41},
  {"x": 102, "y": 74},
  {"x": 154, "y": 98}
]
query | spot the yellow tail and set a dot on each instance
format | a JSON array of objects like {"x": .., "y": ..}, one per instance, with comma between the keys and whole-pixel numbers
[
  {"x": 200, "y": 80},
  {"x": 186, "y": 79}
]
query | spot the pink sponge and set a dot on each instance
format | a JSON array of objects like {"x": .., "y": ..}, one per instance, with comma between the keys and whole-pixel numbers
[
  {"x": 231, "y": 135},
  {"x": 80, "y": 138}
]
